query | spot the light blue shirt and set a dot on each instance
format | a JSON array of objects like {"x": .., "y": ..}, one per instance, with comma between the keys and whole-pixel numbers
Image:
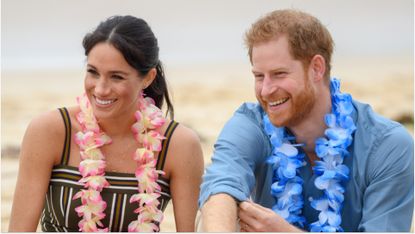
[{"x": 379, "y": 195}]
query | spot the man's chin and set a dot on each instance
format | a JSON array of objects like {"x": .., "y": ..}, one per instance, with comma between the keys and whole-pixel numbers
[{"x": 277, "y": 121}]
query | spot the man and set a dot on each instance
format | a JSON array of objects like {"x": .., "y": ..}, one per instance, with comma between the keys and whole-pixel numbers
[{"x": 306, "y": 157}]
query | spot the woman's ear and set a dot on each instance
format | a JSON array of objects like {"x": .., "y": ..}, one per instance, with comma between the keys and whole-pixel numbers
[
  {"x": 149, "y": 78},
  {"x": 317, "y": 67}
]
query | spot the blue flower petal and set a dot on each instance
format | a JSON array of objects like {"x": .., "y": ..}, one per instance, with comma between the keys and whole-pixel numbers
[
  {"x": 297, "y": 204},
  {"x": 284, "y": 201},
  {"x": 336, "y": 134},
  {"x": 327, "y": 228},
  {"x": 273, "y": 160},
  {"x": 295, "y": 189},
  {"x": 277, "y": 188},
  {"x": 320, "y": 204},
  {"x": 321, "y": 183},
  {"x": 330, "y": 120},
  {"x": 328, "y": 174},
  {"x": 296, "y": 219},
  {"x": 323, "y": 217},
  {"x": 334, "y": 86},
  {"x": 283, "y": 213},
  {"x": 289, "y": 171},
  {"x": 342, "y": 172},
  {"x": 287, "y": 149},
  {"x": 335, "y": 195},
  {"x": 346, "y": 106},
  {"x": 320, "y": 167},
  {"x": 333, "y": 150},
  {"x": 321, "y": 150},
  {"x": 315, "y": 227},
  {"x": 335, "y": 206},
  {"x": 334, "y": 219},
  {"x": 347, "y": 123},
  {"x": 275, "y": 140}
]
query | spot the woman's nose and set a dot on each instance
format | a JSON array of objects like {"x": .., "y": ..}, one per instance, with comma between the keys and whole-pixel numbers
[{"x": 102, "y": 87}]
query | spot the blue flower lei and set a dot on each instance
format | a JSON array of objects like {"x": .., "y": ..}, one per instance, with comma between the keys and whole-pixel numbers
[{"x": 331, "y": 173}]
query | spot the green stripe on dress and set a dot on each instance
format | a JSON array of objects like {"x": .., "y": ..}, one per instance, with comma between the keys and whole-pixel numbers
[
  {"x": 163, "y": 153},
  {"x": 67, "y": 142}
]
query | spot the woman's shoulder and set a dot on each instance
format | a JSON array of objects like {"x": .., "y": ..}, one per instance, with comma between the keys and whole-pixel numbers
[
  {"x": 184, "y": 150},
  {"x": 46, "y": 122},
  {"x": 51, "y": 121},
  {"x": 44, "y": 137},
  {"x": 184, "y": 136}
]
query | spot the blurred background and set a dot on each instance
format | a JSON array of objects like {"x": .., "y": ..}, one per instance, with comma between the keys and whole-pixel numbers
[{"x": 201, "y": 46}]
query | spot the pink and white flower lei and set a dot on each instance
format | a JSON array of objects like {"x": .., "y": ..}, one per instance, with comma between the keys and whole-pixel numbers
[{"x": 92, "y": 167}]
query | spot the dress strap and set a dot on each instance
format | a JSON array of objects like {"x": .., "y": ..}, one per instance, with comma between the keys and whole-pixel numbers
[
  {"x": 165, "y": 145},
  {"x": 67, "y": 143}
]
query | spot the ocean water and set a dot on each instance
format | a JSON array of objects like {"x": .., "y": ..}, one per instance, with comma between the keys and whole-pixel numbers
[{"x": 47, "y": 34}]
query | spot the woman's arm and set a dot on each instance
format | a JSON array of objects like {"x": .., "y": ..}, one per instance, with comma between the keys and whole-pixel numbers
[
  {"x": 185, "y": 163},
  {"x": 41, "y": 147}
]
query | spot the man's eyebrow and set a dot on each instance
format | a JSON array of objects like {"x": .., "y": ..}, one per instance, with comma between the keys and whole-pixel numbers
[{"x": 273, "y": 70}]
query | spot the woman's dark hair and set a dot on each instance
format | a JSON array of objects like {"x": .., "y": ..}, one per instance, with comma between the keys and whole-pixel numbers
[{"x": 135, "y": 40}]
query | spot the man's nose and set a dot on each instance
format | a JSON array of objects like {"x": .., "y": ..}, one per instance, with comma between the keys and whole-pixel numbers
[{"x": 269, "y": 86}]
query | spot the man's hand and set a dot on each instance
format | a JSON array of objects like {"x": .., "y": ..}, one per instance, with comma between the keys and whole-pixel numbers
[{"x": 256, "y": 218}]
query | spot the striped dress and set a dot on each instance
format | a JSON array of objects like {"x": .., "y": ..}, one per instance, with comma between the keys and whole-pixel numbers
[{"x": 59, "y": 210}]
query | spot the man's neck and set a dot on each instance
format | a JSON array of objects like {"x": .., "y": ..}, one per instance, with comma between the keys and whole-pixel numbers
[{"x": 313, "y": 127}]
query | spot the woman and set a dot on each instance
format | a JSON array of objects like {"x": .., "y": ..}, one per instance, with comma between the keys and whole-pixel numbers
[{"x": 113, "y": 162}]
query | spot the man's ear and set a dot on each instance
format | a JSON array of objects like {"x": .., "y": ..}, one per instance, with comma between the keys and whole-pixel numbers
[
  {"x": 149, "y": 78},
  {"x": 317, "y": 67}
]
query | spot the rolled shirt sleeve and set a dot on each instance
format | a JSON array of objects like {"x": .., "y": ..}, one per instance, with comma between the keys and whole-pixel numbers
[{"x": 240, "y": 147}]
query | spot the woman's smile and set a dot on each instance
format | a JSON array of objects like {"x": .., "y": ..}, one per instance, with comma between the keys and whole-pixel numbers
[{"x": 104, "y": 102}]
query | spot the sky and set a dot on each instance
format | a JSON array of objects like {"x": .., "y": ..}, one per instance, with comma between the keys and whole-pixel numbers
[{"x": 47, "y": 34}]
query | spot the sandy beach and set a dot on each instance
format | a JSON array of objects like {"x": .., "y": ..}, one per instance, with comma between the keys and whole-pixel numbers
[{"x": 201, "y": 103}]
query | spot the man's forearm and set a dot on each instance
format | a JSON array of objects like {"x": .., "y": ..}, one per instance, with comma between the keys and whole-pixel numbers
[{"x": 219, "y": 214}]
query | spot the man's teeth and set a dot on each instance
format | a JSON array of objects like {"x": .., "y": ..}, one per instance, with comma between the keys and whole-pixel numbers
[
  {"x": 104, "y": 102},
  {"x": 278, "y": 102}
]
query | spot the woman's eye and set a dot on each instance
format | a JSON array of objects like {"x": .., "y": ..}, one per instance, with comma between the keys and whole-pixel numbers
[
  {"x": 92, "y": 72},
  {"x": 117, "y": 77}
]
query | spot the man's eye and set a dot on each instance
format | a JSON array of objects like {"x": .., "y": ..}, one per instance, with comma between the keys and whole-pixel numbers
[
  {"x": 280, "y": 74},
  {"x": 258, "y": 76}
]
